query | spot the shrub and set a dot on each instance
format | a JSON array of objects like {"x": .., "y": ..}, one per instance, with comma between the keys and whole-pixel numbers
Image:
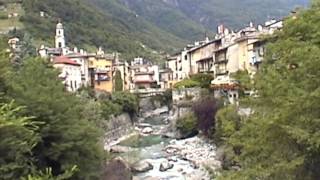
[
  {"x": 109, "y": 108},
  {"x": 128, "y": 102},
  {"x": 187, "y": 125},
  {"x": 187, "y": 83},
  {"x": 205, "y": 110},
  {"x": 227, "y": 123},
  {"x": 203, "y": 79}
]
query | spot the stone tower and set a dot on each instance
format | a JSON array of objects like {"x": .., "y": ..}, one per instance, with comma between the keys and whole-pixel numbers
[{"x": 59, "y": 39}]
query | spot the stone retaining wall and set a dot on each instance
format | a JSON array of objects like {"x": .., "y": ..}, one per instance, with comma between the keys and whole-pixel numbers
[{"x": 118, "y": 127}]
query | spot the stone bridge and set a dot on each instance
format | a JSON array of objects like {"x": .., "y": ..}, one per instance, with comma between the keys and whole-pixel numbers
[{"x": 148, "y": 92}]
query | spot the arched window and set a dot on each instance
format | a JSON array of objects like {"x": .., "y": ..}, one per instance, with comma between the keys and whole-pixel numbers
[{"x": 60, "y": 44}]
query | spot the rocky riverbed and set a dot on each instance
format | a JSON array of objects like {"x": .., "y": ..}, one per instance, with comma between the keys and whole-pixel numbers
[{"x": 152, "y": 154}]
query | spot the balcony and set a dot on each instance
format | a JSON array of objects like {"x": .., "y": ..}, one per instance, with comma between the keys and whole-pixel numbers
[
  {"x": 221, "y": 61},
  {"x": 144, "y": 73}
]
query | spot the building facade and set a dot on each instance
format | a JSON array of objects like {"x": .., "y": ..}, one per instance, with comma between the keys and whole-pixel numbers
[
  {"x": 70, "y": 72},
  {"x": 101, "y": 71}
]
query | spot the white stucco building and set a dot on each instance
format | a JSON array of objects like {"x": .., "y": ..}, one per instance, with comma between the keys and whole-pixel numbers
[{"x": 70, "y": 72}]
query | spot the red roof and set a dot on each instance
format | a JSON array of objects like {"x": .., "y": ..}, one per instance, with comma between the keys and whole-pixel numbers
[{"x": 64, "y": 60}]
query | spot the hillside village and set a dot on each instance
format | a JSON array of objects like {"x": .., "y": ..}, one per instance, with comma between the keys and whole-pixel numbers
[
  {"x": 227, "y": 53},
  {"x": 82, "y": 99}
]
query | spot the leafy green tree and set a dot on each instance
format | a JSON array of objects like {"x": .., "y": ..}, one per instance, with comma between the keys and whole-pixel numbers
[
  {"x": 203, "y": 79},
  {"x": 18, "y": 138},
  {"x": 281, "y": 139},
  {"x": 129, "y": 102},
  {"x": 228, "y": 123},
  {"x": 47, "y": 175},
  {"x": 67, "y": 138},
  {"x": 187, "y": 125},
  {"x": 118, "y": 82},
  {"x": 244, "y": 78}
]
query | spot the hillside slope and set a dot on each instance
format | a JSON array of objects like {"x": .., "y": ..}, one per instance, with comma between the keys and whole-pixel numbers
[
  {"x": 210, "y": 13},
  {"x": 234, "y": 13},
  {"x": 88, "y": 27},
  {"x": 158, "y": 13}
]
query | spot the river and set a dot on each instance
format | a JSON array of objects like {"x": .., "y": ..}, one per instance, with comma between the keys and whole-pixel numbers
[{"x": 155, "y": 149}]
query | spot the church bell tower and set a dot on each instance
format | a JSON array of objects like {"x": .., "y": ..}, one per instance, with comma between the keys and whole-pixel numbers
[{"x": 59, "y": 39}]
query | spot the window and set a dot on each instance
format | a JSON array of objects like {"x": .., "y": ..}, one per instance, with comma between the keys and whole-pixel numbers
[
  {"x": 75, "y": 84},
  {"x": 71, "y": 85},
  {"x": 186, "y": 57},
  {"x": 60, "y": 45}
]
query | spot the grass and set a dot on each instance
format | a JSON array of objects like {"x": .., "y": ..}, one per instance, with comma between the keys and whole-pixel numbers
[{"x": 7, "y": 24}]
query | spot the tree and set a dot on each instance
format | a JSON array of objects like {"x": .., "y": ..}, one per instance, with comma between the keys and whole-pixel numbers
[
  {"x": 67, "y": 138},
  {"x": 118, "y": 82},
  {"x": 203, "y": 79},
  {"x": 18, "y": 137},
  {"x": 128, "y": 102},
  {"x": 205, "y": 110},
  {"x": 187, "y": 125},
  {"x": 281, "y": 139}
]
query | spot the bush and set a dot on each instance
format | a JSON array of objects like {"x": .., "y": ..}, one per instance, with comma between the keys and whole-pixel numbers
[
  {"x": 128, "y": 102},
  {"x": 187, "y": 83},
  {"x": 109, "y": 108},
  {"x": 187, "y": 125},
  {"x": 227, "y": 123},
  {"x": 203, "y": 79},
  {"x": 205, "y": 110}
]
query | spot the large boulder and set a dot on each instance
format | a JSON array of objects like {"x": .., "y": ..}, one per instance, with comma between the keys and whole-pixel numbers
[
  {"x": 141, "y": 167},
  {"x": 117, "y": 169},
  {"x": 165, "y": 166}
]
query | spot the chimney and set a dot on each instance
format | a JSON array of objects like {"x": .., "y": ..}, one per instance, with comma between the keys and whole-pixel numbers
[
  {"x": 220, "y": 29},
  {"x": 251, "y": 24}
]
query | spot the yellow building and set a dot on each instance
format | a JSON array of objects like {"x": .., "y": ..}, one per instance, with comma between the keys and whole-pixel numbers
[{"x": 101, "y": 66}]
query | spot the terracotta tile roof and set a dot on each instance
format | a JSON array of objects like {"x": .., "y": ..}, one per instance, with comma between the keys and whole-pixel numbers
[{"x": 64, "y": 60}]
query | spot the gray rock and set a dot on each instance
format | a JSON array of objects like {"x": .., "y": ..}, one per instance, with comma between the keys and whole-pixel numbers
[
  {"x": 142, "y": 166},
  {"x": 120, "y": 149},
  {"x": 147, "y": 130},
  {"x": 165, "y": 166},
  {"x": 173, "y": 159},
  {"x": 146, "y": 105},
  {"x": 117, "y": 169}
]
